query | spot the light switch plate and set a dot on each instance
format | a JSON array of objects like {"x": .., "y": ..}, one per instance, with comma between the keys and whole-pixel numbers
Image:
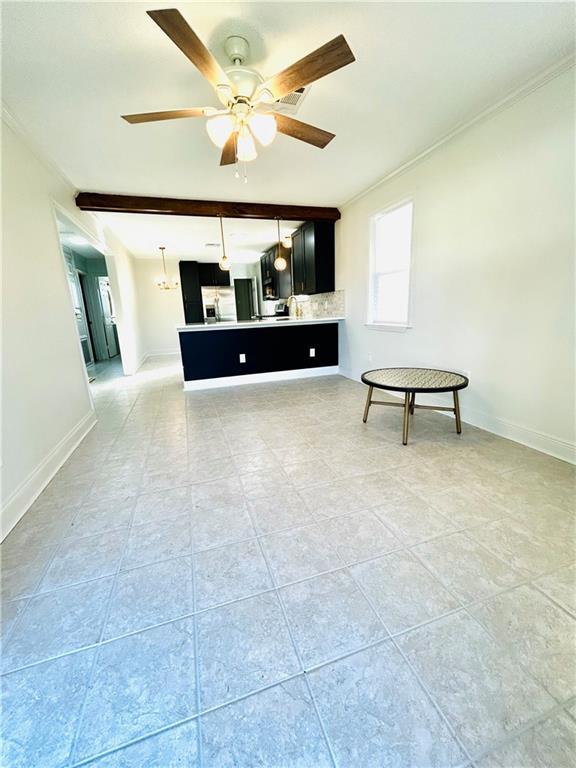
[
  {"x": 312, "y": 352},
  {"x": 242, "y": 357}
]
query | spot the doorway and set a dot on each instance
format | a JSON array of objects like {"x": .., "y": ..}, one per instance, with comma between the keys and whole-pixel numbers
[{"x": 92, "y": 302}]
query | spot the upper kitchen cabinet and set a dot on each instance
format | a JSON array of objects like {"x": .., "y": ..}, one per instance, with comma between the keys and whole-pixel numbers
[
  {"x": 191, "y": 292},
  {"x": 212, "y": 276},
  {"x": 313, "y": 257},
  {"x": 275, "y": 284}
]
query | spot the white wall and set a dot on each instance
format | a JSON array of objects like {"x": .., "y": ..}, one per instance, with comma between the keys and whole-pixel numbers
[
  {"x": 123, "y": 283},
  {"x": 160, "y": 311},
  {"x": 46, "y": 405},
  {"x": 493, "y": 269}
]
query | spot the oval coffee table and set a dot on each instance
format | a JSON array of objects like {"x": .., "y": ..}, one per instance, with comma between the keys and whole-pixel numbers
[{"x": 410, "y": 381}]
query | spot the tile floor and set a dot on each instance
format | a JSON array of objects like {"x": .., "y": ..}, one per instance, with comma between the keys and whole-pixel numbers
[{"x": 252, "y": 577}]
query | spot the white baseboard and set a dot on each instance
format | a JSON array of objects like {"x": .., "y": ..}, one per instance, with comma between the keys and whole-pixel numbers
[
  {"x": 259, "y": 378},
  {"x": 540, "y": 441},
  {"x": 22, "y": 498},
  {"x": 163, "y": 353}
]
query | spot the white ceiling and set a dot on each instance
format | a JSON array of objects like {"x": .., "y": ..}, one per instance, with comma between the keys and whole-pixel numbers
[
  {"x": 186, "y": 237},
  {"x": 71, "y": 69}
]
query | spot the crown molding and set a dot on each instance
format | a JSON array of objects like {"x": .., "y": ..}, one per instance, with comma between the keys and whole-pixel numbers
[
  {"x": 544, "y": 77},
  {"x": 12, "y": 122}
]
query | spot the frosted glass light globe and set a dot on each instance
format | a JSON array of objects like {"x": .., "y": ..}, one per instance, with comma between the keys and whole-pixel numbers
[
  {"x": 263, "y": 127},
  {"x": 219, "y": 129}
]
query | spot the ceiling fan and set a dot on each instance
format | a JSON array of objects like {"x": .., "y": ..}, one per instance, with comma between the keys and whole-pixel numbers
[{"x": 247, "y": 99}]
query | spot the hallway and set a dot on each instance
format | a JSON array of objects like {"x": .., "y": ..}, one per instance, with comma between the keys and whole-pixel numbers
[{"x": 252, "y": 577}]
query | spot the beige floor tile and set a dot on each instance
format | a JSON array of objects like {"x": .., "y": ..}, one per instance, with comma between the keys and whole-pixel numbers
[
  {"x": 465, "y": 567},
  {"x": 412, "y": 519},
  {"x": 560, "y": 586},
  {"x": 402, "y": 591},
  {"x": 465, "y": 507},
  {"x": 550, "y": 744},
  {"x": 526, "y": 552},
  {"x": 538, "y": 633},
  {"x": 485, "y": 694},
  {"x": 359, "y": 536}
]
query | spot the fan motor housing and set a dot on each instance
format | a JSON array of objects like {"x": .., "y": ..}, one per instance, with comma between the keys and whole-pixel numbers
[{"x": 244, "y": 80}]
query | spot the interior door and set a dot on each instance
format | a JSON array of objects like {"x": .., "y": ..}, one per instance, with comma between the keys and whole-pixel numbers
[
  {"x": 80, "y": 314},
  {"x": 108, "y": 316},
  {"x": 244, "y": 295}
]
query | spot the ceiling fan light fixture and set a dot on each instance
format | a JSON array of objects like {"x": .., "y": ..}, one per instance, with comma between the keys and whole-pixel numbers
[
  {"x": 246, "y": 148},
  {"x": 219, "y": 128},
  {"x": 263, "y": 127}
]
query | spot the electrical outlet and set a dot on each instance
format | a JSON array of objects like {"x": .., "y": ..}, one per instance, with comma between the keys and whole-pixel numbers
[
  {"x": 369, "y": 357},
  {"x": 242, "y": 357},
  {"x": 312, "y": 352}
]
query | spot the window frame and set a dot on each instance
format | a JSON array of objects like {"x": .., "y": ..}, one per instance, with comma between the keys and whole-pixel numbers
[{"x": 388, "y": 325}]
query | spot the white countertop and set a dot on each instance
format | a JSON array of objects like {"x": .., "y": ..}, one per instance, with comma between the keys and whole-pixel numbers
[{"x": 265, "y": 323}]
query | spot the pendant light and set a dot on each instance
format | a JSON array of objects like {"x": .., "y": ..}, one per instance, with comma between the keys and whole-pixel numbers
[
  {"x": 163, "y": 282},
  {"x": 224, "y": 262},
  {"x": 280, "y": 262}
]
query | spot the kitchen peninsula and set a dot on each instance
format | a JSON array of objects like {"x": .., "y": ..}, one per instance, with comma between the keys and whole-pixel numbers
[{"x": 220, "y": 354}]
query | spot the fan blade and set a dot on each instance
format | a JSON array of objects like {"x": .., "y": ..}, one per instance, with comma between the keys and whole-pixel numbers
[
  {"x": 321, "y": 62},
  {"x": 303, "y": 131},
  {"x": 229, "y": 151},
  {"x": 175, "y": 26},
  {"x": 171, "y": 114}
]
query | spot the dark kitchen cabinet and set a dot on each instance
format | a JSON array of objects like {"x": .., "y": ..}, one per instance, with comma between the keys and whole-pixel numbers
[
  {"x": 212, "y": 276},
  {"x": 313, "y": 257},
  {"x": 276, "y": 285},
  {"x": 298, "y": 263},
  {"x": 284, "y": 278},
  {"x": 191, "y": 293}
]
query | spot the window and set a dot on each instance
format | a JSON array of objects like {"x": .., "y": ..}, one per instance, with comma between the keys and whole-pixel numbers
[{"x": 390, "y": 253}]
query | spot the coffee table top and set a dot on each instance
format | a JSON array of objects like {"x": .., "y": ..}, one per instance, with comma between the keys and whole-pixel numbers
[{"x": 414, "y": 379}]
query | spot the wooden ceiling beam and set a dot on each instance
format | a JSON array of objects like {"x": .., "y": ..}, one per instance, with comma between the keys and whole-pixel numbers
[{"x": 175, "y": 206}]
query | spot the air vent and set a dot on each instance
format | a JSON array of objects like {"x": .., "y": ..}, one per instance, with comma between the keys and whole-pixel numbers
[
  {"x": 211, "y": 245},
  {"x": 290, "y": 103}
]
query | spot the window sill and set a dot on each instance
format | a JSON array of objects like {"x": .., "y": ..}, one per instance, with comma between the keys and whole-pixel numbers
[{"x": 394, "y": 327}]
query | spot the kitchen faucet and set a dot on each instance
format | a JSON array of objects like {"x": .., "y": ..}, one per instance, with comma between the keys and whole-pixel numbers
[{"x": 298, "y": 311}]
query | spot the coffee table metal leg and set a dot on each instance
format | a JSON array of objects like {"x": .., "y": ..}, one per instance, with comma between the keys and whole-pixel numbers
[
  {"x": 457, "y": 412},
  {"x": 412, "y": 402},
  {"x": 367, "y": 406},
  {"x": 406, "y": 418}
]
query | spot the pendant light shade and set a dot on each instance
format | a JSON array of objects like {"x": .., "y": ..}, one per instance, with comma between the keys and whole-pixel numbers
[
  {"x": 219, "y": 128},
  {"x": 280, "y": 262},
  {"x": 246, "y": 148},
  {"x": 224, "y": 262},
  {"x": 263, "y": 127}
]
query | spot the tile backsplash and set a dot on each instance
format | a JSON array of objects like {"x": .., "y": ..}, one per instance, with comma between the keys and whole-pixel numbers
[{"x": 328, "y": 304}]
